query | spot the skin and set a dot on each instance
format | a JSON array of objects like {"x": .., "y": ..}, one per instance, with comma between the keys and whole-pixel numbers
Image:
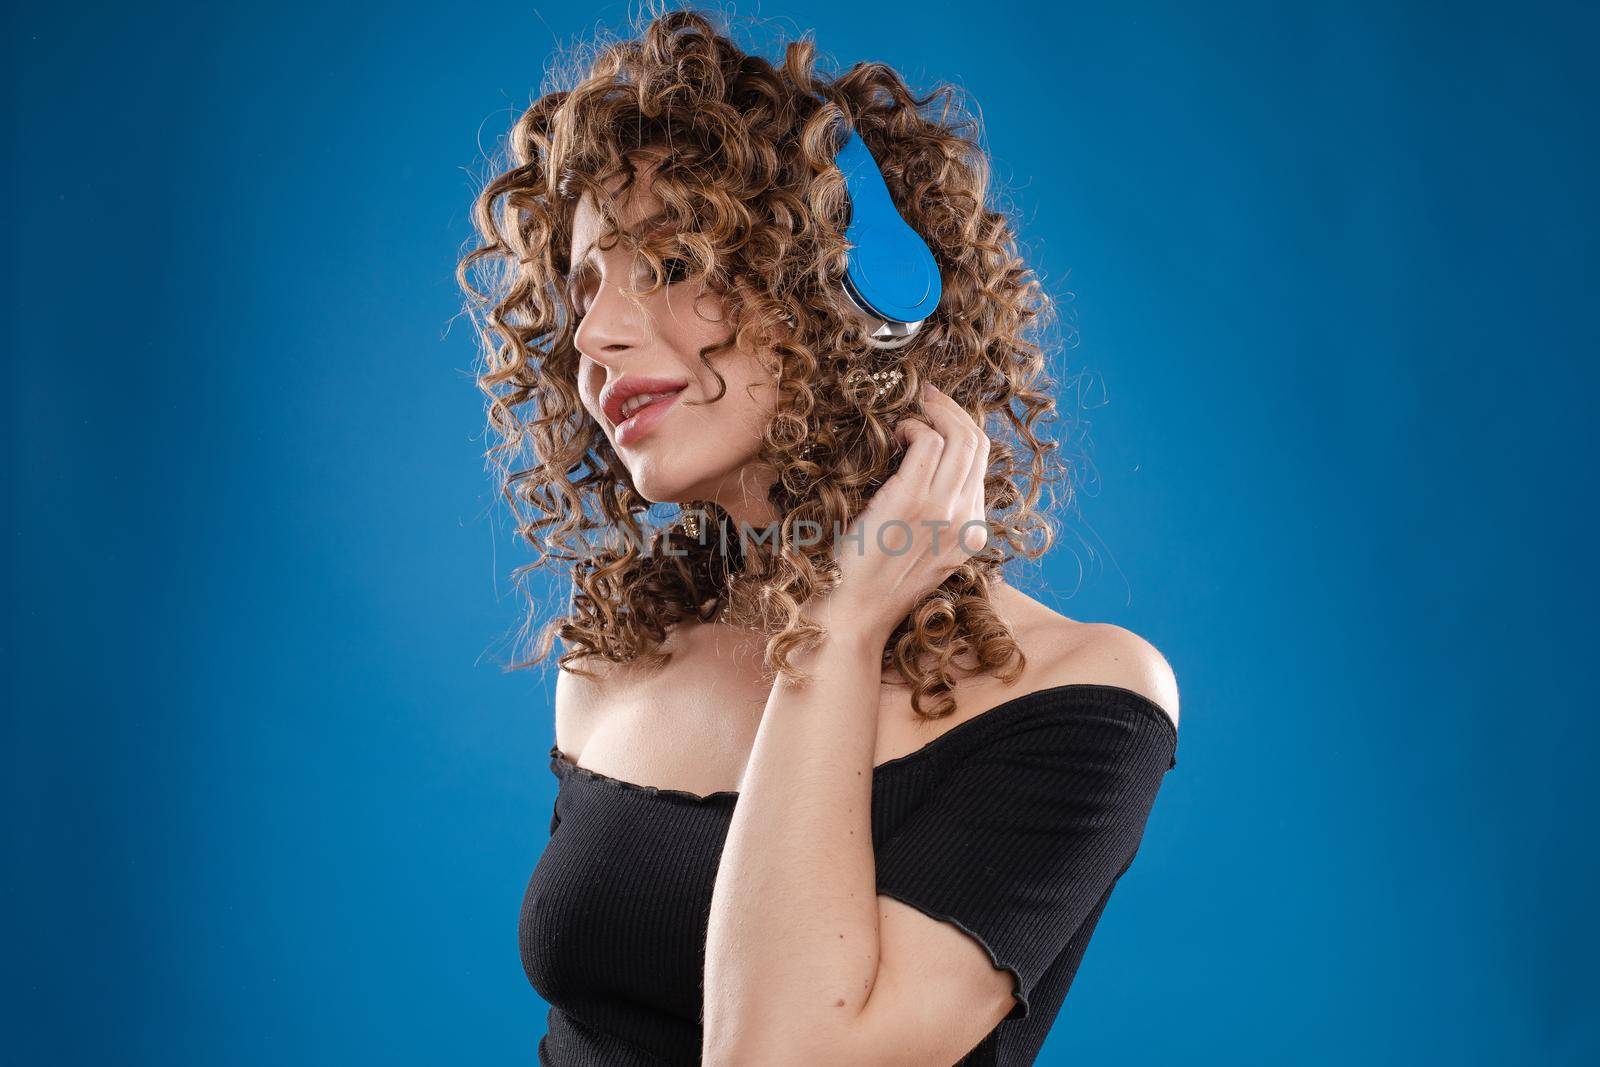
[{"x": 805, "y": 963}]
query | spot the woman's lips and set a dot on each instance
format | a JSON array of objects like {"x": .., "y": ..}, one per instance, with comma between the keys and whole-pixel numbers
[{"x": 639, "y": 423}]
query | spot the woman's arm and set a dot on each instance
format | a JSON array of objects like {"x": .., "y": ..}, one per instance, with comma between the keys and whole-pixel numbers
[{"x": 792, "y": 946}]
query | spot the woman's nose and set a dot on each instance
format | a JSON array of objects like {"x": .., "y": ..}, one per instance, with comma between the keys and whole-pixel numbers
[{"x": 613, "y": 324}]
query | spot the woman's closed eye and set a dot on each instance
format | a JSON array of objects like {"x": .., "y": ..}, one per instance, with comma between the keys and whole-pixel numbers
[{"x": 673, "y": 271}]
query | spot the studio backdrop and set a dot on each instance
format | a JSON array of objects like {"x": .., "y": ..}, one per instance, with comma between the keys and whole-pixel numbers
[{"x": 1328, "y": 345}]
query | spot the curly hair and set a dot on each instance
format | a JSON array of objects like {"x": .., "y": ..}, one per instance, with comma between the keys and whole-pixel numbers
[{"x": 758, "y": 209}]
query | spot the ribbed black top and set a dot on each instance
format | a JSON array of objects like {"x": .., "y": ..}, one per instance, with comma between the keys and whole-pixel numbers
[{"x": 1014, "y": 825}]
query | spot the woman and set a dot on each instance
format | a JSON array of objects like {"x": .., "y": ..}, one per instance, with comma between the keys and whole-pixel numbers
[{"x": 836, "y": 798}]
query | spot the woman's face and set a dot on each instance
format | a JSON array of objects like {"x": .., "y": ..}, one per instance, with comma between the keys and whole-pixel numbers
[{"x": 675, "y": 452}]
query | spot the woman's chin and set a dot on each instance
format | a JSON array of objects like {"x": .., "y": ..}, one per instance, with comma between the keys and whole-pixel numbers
[
  {"x": 671, "y": 483},
  {"x": 666, "y": 492}
]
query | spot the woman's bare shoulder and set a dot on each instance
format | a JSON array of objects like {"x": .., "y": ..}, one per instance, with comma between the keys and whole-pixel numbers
[
  {"x": 1099, "y": 653},
  {"x": 1112, "y": 655}
]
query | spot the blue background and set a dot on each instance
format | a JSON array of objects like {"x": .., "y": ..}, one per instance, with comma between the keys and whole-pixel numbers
[{"x": 270, "y": 799}]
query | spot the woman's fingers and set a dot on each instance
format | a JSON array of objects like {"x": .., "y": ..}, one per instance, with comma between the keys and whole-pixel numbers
[
  {"x": 975, "y": 501},
  {"x": 962, "y": 441},
  {"x": 922, "y": 457},
  {"x": 972, "y": 489}
]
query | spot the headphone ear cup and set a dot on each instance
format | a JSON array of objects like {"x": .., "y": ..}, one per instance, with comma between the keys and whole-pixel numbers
[
  {"x": 876, "y": 330},
  {"x": 891, "y": 275}
]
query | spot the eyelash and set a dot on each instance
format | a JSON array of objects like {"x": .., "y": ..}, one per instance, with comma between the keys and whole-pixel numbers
[{"x": 672, "y": 277}]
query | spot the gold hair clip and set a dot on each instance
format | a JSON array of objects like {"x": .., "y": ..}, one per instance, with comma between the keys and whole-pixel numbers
[{"x": 885, "y": 380}]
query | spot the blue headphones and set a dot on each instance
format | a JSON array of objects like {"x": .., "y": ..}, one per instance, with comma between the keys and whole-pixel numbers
[{"x": 892, "y": 280}]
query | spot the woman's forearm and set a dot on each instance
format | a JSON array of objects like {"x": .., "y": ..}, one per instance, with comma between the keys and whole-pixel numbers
[{"x": 792, "y": 945}]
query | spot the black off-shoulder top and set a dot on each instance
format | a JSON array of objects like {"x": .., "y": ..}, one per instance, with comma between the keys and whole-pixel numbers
[{"x": 1013, "y": 825}]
